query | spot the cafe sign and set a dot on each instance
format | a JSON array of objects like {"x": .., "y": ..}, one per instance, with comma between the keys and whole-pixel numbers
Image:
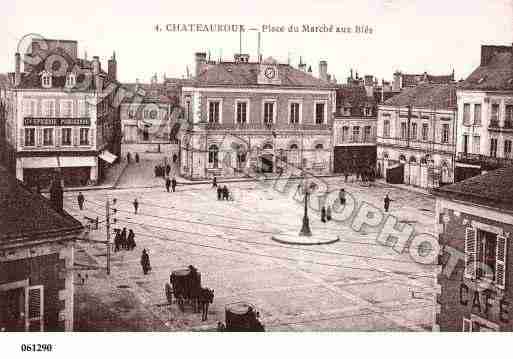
[{"x": 56, "y": 121}]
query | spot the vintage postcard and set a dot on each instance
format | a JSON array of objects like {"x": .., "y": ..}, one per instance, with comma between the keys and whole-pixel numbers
[{"x": 296, "y": 166}]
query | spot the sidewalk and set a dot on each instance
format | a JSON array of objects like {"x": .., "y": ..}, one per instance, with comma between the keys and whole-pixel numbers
[
  {"x": 405, "y": 187},
  {"x": 112, "y": 176}
]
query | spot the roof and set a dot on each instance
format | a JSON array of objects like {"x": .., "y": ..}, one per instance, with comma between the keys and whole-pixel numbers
[
  {"x": 246, "y": 74},
  {"x": 24, "y": 213},
  {"x": 151, "y": 93},
  {"x": 354, "y": 97},
  {"x": 426, "y": 96},
  {"x": 492, "y": 189},
  {"x": 411, "y": 80},
  {"x": 497, "y": 74},
  {"x": 4, "y": 81}
]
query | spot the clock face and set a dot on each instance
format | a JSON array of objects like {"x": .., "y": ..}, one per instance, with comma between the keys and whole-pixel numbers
[{"x": 270, "y": 73}]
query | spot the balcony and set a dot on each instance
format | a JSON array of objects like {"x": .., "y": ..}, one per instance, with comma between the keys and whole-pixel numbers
[
  {"x": 506, "y": 127},
  {"x": 425, "y": 146},
  {"x": 268, "y": 127},
  {"x": 486, "y": 162}
]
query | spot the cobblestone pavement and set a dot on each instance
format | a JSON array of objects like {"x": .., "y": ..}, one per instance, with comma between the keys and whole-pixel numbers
[{"x": 353, "y": 284}]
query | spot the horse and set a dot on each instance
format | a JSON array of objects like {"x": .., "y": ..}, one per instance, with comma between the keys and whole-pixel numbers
[{"x": 205, "y": 298}]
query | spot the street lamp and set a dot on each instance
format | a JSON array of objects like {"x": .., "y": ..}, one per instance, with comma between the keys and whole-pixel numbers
[{"x": 305, "y": 229}]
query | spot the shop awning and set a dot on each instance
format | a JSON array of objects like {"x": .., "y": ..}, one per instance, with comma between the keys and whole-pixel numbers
[{"x": 107, "y": 156}]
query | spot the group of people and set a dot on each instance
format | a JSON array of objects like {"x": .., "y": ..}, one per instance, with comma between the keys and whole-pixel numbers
[
  {"x": 365, "y": 174},
  {"x": 122, "y": 240},
  {"x": 162, "y": 171},
  {"x": 171, "y": 183},
  {"x": 223, "y": 194},
  {"x": 129, "y": 157}
]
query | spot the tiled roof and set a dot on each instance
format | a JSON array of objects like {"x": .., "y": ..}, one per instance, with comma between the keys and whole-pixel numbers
[
  {"x": 497, "y": 74},
  {"x": 151, "y": 92},
  {"x": 410, "y": 80},
  {"x": 426, "y": 96},
  {"x": 491, "y": 189},
  {"x": 24, "y": 213},
  {"x": 354, "y": 97},
  {"x": 4, "y": 80},
  {"x": 246, "y": 74}
]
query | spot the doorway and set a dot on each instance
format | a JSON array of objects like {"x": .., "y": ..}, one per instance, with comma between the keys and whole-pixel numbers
[{"x": 267, "y": 163}]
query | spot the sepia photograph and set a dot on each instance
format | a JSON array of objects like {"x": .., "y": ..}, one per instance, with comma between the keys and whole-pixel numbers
[{"x": 299, "y": 171}]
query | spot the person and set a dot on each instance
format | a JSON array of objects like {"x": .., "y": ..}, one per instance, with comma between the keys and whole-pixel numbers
[
  {"x": 342, "y": 196},
  {"x": 214, "y": 181},
  {"x": 328, "y": 213},
  {"x": 128, "y": 157},
  {"x": 168, "y": 183},
  {"x": 323, "y": 214},
  {"x": 123, "y": 238},
  {"x": 219, "y": 193},
  {"x": 117, "y": 240},
  {"x": 130, "y": 245},
  {"x": 80, "y": 199},
  {"x": 173, "y": 184},
  {"x": 136, "y": 206},
  {"x": 168, "y": 169},
  {"x": 175, "y": 158},
  {"x": 156, "y": 170},
  {"x": 145, "y": 262},
  {"x": 136, "y": 157},
  {"x": 226, "y": 193},
  {"x": 346, "y": 176},
  {"x": 387, "y": 201}
]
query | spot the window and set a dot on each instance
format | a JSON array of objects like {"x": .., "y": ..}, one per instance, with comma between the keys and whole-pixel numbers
[
  {"x": 84, "y": 108},
  {"x": 242, "y": 112},
  {"x": 48, "y": 108},
  {"x": 130, "y": 113},
  {"x": 146, "y": 113},
  {"x": 319, "y": 113},
  {"x": 30, "y": 137},
  {"x": 347, "y": 111},
  {"x": 66, "y": 136},
  {"x": 345, "y": 133},
  {"x": 493, "y": 147},
  {"x": 477, "y": 114},
  {"x": 508, "y": 120},
  {"x": 213, "y": 156},
  {"x": 367, "y": 134},
  {"x": 268, "y": 112},
  {"x": 145, "y": 134},
  {"x": 445, "y": 133},
  {"x": 47, "y": 136},
  {"x": 476, "y": 145},
  {"x": 294, "y": 147},
  {"x": 66, "y": 108},
  {"x": 356, "y": 134},
  {"x": 386, "y": 128},
  {"x": 494, "y": 120},
  {"x": 84, "y": 136},
  {"x": 425, "y": 131},
  {"x": 46, "y": 80},
  {"x": 213, "y": 112},
  {"x": 29, "y": 108},
  {"x": 466, "y": 114},
  {"x": 403, "y": 130},
  {"x": 413, "y": 133},
  {"x": 319, "y": 146},
  {"x": 465, "y": 143},
  {"x": 70, "y": 80},
  {"x": 507, "y": 148},
  {"x": 368, "y": 111},
  {"x": 153, "y": 114},
  {"x": 294, "y": 113}
]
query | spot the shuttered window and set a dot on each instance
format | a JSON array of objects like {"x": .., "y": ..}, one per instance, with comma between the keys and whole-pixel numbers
[
  {"x": 34, "y": 308},
  {"x": 500, "y": 262},
  {"x": 470, "y": 252}
]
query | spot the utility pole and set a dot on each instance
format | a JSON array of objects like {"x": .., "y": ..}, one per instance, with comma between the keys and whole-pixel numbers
[{"x": 107, "y": 212}]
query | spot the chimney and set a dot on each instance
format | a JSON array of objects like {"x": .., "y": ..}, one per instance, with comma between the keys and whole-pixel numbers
[
  {"x": 17, "y": 69},
  {"x": 323, "y": 70},
  {"x": 98, "y": 80},
  {"x": 301, "y": 66},
  {"x": 112, "y": 68},
  {"x": 201, "y": 60}
]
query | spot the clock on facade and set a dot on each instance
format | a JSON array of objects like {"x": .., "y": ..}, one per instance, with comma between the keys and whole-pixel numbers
[{"x": 270, "y": 73}]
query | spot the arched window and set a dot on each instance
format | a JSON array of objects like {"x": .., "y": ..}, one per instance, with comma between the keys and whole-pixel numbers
[
  {"x": 213, "y": 156},
  {"x": 413, "y": 159},
  {"x": 71, "y": 80},
  {"x": 46, "y": 80},
  {"x": 385, "y": 154},
  {"x": 423, "y": 160},
  {"x": 319, "y": 146},
  {"x": 293, "y": 146},
  {"x": 267, "y": 146},
  {"x": 402, "y": 158}
]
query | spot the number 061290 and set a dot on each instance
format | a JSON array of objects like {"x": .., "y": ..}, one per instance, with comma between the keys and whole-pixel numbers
[{"x": 36, "y": 347}]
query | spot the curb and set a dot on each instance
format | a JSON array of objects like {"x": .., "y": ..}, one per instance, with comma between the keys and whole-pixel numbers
[{"x": 331, "y": 241}]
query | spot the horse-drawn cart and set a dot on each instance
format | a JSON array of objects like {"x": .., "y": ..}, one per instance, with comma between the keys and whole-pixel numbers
[{"x": 242, "y": 317}]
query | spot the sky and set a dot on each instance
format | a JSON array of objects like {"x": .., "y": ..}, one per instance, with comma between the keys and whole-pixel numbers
[{"x": 411, "y": 36}]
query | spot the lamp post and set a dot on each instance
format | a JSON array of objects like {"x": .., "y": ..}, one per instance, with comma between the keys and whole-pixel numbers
[{"x": 305, "y": 229}]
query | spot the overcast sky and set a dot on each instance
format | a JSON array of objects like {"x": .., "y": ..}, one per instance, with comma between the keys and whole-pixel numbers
[{"x": 412, "y": 36}]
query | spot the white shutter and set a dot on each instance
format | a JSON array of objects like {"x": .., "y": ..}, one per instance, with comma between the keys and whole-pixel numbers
[
  {"x": 75, "y": 136},
  {"x": 467, "y": 325},
  {"x": 470, "y": 252},
  {"x": 22, "y": 136},
  {"x": 39, "y": 136},
  {"x": 91, "y": 137},
  {"x": 500, "y": 262},
  {"x": 34, "y": 308},
  {"x": 58, "y": 136}
]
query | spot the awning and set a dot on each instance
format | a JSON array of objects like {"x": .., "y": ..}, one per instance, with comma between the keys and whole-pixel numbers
[{"x": 107, "y": 156}]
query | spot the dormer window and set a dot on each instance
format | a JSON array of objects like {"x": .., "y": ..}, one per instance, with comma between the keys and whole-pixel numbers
[
  {"x": 46, "y": 80},
  {"x": 71, "y": 80}
]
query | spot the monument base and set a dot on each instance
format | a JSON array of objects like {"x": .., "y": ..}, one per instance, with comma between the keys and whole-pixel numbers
[{"x": 315, "y": 239}]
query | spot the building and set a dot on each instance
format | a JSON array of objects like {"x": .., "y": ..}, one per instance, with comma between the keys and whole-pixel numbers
[
  {"x": 402, "y": 80},
  {"x": 149, "y": 119},
  {"x": 64, "y": 119},
  {"x": 485, "y": 114},
  {"x": 4, "y": 83},
  {"x": 354, "y": 129},
  {"x": 36, "y": 259},
  {"x": 415, "y": 136},
  {"x": 262, "y": 115},
  {"x": 475, "y": 281}
]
